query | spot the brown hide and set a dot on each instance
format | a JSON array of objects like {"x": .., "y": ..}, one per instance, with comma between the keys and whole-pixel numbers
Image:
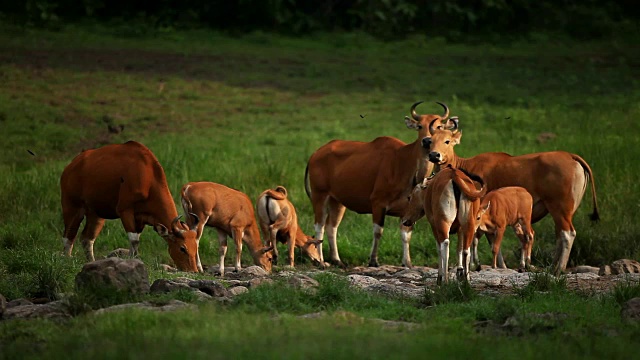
[
  {"x": 437, "y": 201},
  {"x": 279, "y": 222},
  {"x": 504, "y": 207},
  {"x": 123, "y": 181},
  {"x": 556, "y": 180},
  {"x": 366, "y": 177},
  {"x": 231, "y": 213}
]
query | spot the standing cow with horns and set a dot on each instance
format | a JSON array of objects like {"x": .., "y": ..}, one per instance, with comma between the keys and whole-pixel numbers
[
  {"x": 369, "y": 178},
  {"x": 557, "y": 181}
]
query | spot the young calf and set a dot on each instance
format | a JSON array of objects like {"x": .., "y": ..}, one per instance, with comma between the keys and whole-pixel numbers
[
  {"x": 279, "y": 222},
  {"x": 507, "y": 206},
  {"x": 449, "y": 200},
  {"x": 230, "y": 212}
]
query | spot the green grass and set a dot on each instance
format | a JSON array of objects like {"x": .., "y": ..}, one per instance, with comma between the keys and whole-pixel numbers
[{"x": 248, "y": 112}]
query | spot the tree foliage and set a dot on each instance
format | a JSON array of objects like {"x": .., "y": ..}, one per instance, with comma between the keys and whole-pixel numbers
[{"x": 382, "y": 18}]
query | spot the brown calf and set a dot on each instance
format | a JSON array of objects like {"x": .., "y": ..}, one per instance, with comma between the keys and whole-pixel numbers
[
  {"x": 557, "y": 181},
  {"x": 279, "y": 222},
  {"x": 123, "y": 181},
  {"x": 230, "y": 212},
  {"x": 500, "y": 208},
  {"x": 450, "y": 197}
]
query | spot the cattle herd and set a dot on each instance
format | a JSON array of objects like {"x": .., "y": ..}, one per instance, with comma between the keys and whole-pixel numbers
[{"x": 481, "y": 195}]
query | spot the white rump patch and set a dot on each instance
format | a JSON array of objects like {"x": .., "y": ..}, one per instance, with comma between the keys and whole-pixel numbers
[
  {"x": 579, "y": 185},
  {"x": 448, "y": 203}
]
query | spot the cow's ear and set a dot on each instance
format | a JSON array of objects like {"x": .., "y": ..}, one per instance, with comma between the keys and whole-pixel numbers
[
  {"x": 486, "y": 207},
  {"x": 456, "y": 137},
  {"x": 161, "y": 230},
  {"x": 412, "y": 124}
]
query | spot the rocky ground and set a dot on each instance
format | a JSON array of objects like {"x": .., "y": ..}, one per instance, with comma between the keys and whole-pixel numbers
[{"x": 131, "y": 275}]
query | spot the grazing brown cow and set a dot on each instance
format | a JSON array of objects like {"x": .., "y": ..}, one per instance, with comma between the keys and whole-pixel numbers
[
  {"x": 507, "y": 206},
  {"x": 450, "y": 201},
  {"x": 556, "y": 180},
  {"x": 123, "y": 181},
  {"x": 230, "y": 212},
  {"x": 279, "y": 222},
  {"x": 369, "y": 178}
]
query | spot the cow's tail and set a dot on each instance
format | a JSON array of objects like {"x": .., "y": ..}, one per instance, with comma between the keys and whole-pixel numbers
[
  {"x": 307, "y": 187},
  {"x": 594, "y": 216},
  {"x": 464, "y": 181},
  {"x": 184, "y": 199}
]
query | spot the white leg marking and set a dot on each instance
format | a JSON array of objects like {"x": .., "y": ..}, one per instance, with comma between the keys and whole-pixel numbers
[
  {"x": 87, "y": 245},
  {"x": 444, "y": 260},
  {"x": 319, "y": 228},
  {"x": 332, "y": 234},
  {"x": 68, "y": 246},
  {"x": 222, "y": 241},
  {"x": 405, "y": 233},
  {"x": 134, "y": 240}
]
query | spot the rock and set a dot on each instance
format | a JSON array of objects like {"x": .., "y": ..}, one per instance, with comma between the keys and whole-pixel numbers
[
  {"x": 202, "y": 296},
  {"x": 3, "y": 305},
  {"x": 128, "y": 275},
  {"x": 18, "y": 302},
  {"x": 585, "y": 269},
  {"x": 362, "y": 281},
  {"x": 255, "y": 282},
  {"x": 254, "y": 271},
  {"x": 406, "y": 290},
  {"x": 172, "y": 305},
  {"x": 237, "y": 290},
  {"x": 631, "y": 310},
  {"x": 604, "y": 270},
  {"x": 166, "y": 285},
  {"x": 625, "y": 266},
  {"x": 300, "y": 281},
  {"x": 168, "y": 268},
  {"x": 409, "y": 274},
  {"x": 584, "y": 276},
  {"x": 53, "y": 310},
  {"x": 119, "y": 253},
  {"x": 210, "y": 287}
]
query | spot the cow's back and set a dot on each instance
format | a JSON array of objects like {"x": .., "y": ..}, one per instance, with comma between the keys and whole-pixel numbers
[
  {"x": 94, "y": 177},
  {"x": 348, "y": 170},
  {"x": 224, "y": 206}
]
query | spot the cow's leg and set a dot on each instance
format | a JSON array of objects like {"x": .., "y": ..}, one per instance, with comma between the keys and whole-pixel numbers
[
  {"x": 405, "y": 232},
  {"x": 495, "y": 246},
  {"x": 319, "y": 203},
  {"x": 199, "y": 232},
  {"x": 441, "y": 234},
  {"x": 565, "y": 235},
  {"x": 91, "y": 230},
  {"x": 127, "y": 217},
  {"x": 72, "y": 217},
  {"x": 491, "y": 238},
  {"x": 291, "y": 243},
  {"x": 222, "y": 252},
  {"x": 237, "y": 234},
  {"x": 378, "y": 215},
  {"x": 269, "y": 233},
  {"x": 475, "y": 259},
  {"x": 336, "y": 213}
]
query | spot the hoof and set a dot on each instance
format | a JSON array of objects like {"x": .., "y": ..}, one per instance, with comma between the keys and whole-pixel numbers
[
  {"x": 373, "y": 263},
  {"x": 460, "y": 274},
  {"x": 409, "y": 265}
]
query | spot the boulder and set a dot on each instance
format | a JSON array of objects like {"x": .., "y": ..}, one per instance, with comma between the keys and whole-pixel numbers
[
  {"x": 255, "y": 282},
  {"x": 210, "y": 287},
  {"x": 300, "y": 281},
  {"x": 166, "y": 285},
  {"x": 631, "y": 310},
  {"x": 362, "y": 281},
  {"x": 18, "y": 302},
  {"x": 254, "y": 271},
  {"x": 119, "y": 253},
  {"x": 172, "y": 305},
  {"x": 625, "y": 266},
  {"x": 53, "y": 310},
  {"x": 128, "y": 275},
  {"x": 168, "y": 268},
  {"x": 604, "y": 270},
  {"x": 583, "y": 269},
  {"x": 237, "y": 290}
]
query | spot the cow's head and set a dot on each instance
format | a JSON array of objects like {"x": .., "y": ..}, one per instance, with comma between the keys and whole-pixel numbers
[
  {"x": 415, "y": 210},
  {"x": 421, "y": 123},
  {"x": 310, "y": 248},
  {"x": 482, "y": 216},
  {"x": 263, "y": 257},
  {"x": 182, "y": 243},
  {"x": 438, "y": 145}
]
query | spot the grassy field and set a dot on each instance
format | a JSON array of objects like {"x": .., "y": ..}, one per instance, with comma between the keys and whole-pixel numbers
[{"x": 248, "y": 111}]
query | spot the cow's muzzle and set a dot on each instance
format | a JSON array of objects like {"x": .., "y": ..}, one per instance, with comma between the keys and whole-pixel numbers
[{"x": 435, "y": 157}]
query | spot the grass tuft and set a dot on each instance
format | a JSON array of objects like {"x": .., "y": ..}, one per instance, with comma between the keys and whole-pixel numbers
[{"x": 450, "y": 292}]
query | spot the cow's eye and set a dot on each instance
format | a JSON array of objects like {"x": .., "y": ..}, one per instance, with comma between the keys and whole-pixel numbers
[
  {"x": 447, "y": 142},
  {"x": 183, "y": 249}
]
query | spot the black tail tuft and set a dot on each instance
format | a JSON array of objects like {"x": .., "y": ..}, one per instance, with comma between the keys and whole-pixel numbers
[{"x": 594, "y": 216}]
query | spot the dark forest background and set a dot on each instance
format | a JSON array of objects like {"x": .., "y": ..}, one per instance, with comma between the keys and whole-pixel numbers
[{"x": 386, "y": 19}]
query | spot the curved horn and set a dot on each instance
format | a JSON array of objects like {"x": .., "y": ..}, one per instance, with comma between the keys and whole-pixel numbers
[
  {"x": 175, "y": 221},
  {"x": 446, "y": 110},
  {"x": 455, "y": 125},
  {"x": 414, "y": 114},
  {"x": 196, "y": 220},
  {"x": 431, "y": 129}
]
